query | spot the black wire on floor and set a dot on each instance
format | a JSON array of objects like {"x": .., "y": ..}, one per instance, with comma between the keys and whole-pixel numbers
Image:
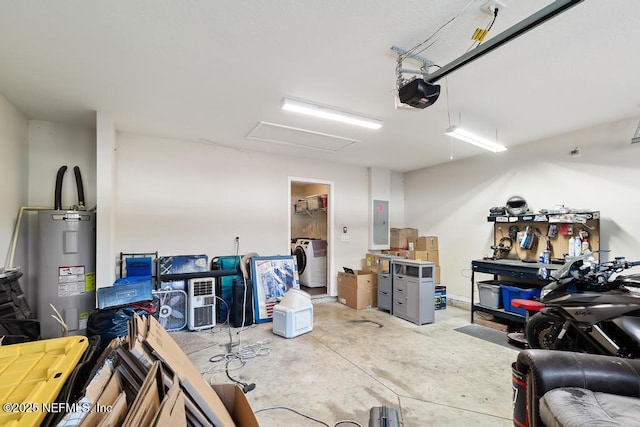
[{"x": 270, "y": 408}]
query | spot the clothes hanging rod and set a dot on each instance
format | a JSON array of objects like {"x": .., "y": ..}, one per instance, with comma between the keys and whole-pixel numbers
[{"x": 543, "y": 15}]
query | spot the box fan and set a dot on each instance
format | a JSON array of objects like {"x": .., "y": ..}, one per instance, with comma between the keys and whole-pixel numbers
[
  {"x": 172, "y": 309},
  {"x": 202, "y": 304}
]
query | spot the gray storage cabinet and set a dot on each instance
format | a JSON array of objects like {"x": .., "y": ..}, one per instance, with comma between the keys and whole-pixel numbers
[
  {"x": 413, "y": 291},
  {"x": 385, "y": 283}
]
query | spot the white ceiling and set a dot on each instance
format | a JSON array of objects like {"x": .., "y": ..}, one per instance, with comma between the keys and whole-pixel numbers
[{"x": 212, "y": 70}]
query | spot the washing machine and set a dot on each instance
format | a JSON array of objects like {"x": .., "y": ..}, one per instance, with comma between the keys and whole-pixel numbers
[
  {"x": 294, "y": 244},
  {"x": 311, "y": 255}
]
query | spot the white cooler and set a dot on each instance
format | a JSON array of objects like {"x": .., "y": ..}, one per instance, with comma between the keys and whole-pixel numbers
[{"x": 294, "y": 315}]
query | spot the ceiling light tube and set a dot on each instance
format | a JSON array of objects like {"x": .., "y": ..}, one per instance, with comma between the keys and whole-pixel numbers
[
  {"x": 325, "y": 112},
  {"x": 478, "y": 141}
]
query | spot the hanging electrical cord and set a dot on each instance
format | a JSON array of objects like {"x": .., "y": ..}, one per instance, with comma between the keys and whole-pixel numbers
[
  {"x": 414, "y": 50},
  {"x": 226, "y": 322},
  {"x": 446, "y": 90},
  {"x": 260, "y": 348},
  {"x": 480, "y": 34}
]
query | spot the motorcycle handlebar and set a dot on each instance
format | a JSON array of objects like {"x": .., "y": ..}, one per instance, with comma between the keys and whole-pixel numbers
[{"x": 605, "y": 269}]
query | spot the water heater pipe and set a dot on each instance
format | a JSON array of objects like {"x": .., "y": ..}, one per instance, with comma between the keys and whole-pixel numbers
[
  {"x": 16, "y": 230},
  {"x": 57, "y": 196}
]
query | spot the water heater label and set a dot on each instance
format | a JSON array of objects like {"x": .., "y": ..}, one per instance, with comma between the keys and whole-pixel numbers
[
  {"x": 71, "y": 281},
  {"x": 90, "y": 282},
  {"x": 70, "y": 271}
]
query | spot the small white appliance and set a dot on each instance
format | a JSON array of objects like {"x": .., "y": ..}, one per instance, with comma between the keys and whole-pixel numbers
[
  {"x": 311, "y": 256},
  {"x": 294, "y": 315},
  {"x": 202, "y": 304}
]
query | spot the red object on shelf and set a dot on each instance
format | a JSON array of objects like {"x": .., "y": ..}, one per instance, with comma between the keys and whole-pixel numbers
[{"x": 527, "y": 304}]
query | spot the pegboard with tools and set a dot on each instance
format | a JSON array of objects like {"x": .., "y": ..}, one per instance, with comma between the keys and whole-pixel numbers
[{"x": 525, "y": 237}]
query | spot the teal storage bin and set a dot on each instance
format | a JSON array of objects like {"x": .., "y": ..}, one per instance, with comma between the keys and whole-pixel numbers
[{"x": 512, "y": 292}]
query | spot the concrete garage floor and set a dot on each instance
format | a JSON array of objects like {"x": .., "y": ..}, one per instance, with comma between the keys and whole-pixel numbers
[{"x": 433, "y": 375}]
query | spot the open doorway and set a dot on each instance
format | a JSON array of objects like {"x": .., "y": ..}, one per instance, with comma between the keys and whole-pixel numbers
[{"x": 310, "y": 218}]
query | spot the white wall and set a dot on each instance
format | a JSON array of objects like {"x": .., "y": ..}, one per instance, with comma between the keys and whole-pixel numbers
[
  {"x": 52, "y": 145},
  {"x": 13, "y": 178},
  {"x": 105, "y": 193},
  {"x": 396, "y": 204},
  {"x": 183, "y": 197},
  {"x": 452, "y": 200}
]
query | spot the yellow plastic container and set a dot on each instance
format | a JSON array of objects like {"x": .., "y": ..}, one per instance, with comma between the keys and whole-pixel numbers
[{"x": 32, "y": 375}]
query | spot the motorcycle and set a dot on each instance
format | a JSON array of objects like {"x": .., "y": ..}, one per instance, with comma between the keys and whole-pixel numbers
[{"x": 586, "y": 310}]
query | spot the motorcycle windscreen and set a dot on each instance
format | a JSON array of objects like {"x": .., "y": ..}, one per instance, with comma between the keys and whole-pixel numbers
[{"x": 630, "y": 325}]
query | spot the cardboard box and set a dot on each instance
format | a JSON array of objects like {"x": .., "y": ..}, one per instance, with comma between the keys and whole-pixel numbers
[
  {"x": 371, "y": 263},
  {"x": 170, "y": 353},
  {"x": 424, "y": 243},
  {"x": 396, "y": 253},
  {"x": 147, "y": 402},
  {"x": 359, "y": 290},
  {"x": 172, "y": 411},
  {"x": 436, "y": 275},
  {"x": 429, "y": 256},
  {"x": 161, "y": 384},
  {"x": 399, "y": 237},
  {"x": 237, "y": 405},
  {"x": 488, "y": 320}
]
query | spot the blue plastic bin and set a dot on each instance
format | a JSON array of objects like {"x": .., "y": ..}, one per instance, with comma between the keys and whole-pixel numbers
[{"x": 513, "y": 292}]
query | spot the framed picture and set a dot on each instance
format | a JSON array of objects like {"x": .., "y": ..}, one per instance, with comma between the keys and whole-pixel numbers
[{"x": 272, "y": 277}]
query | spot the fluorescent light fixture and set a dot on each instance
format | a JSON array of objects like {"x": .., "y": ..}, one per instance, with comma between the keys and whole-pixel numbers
[
  {"x": 325, "y": 112},
  {"x": 476, "y": 140}
]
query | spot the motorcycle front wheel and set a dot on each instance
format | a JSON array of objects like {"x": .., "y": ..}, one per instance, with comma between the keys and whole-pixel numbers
[{"x": 542, "y": 330}]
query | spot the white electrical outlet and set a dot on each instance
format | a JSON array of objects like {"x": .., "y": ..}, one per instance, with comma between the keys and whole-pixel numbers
[{"x": 490, "y": 6}]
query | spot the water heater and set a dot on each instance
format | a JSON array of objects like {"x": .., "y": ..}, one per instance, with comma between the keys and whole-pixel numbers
[
  {"x": 67, "y": 264},
  {"x": 67, "y": 278}
]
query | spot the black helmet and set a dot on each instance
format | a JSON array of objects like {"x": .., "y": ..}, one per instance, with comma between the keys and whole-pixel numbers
[{"x": 516, "y": 205}]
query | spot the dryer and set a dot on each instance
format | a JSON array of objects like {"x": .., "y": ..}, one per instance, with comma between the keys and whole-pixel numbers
[{"x": 311, "y": 256}]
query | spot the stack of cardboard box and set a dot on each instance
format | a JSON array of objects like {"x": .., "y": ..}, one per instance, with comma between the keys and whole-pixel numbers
[
  {"x": 406, "y": 243},
  {"x": 372, "y": 260},
  {"x": 400, "y": 238},
  {"x": 425, "y": 248}
]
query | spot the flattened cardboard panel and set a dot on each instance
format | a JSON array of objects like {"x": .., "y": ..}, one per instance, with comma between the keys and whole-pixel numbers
[{"x": 194, "y": 383}]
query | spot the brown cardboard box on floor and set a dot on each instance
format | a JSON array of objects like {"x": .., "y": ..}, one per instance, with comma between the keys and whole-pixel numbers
[
  {"x": 436, "y": 275},
  {"x": 359, "y": 290}
]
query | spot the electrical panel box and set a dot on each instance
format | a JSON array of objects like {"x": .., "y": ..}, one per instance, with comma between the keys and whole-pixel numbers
[{"x": 380, "y": 222}]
